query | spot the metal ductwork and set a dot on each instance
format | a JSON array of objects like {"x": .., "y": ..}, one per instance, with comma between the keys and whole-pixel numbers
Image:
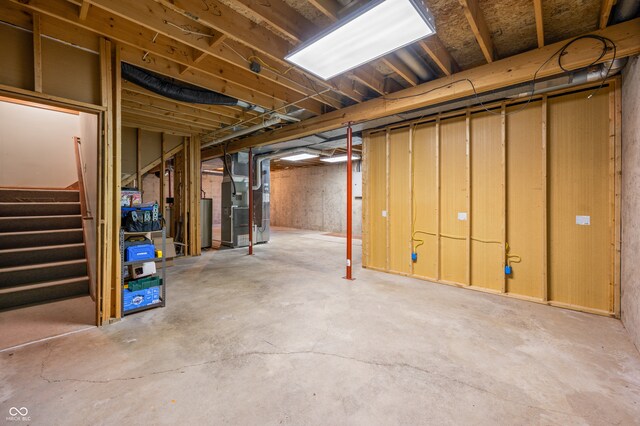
[
  {"x": 625, "y": 10},
  {"x": 419, "y": 68},
  {"x": 278, "y": 154},
  {"x": 270, "y": 122},
  {"x": 169, "y": 88}
]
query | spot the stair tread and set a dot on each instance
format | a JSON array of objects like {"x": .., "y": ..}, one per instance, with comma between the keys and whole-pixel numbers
[
  {"x": 40, "y": 217},
  {"x": 27, "y": 249},
  {"x": 42, "y": 265},
  {"x": 39, "y": 189},
  {"x": 42, "y": 284},
  {"x": 44, "y": 231},
  {"x": 57, "y": 203}
]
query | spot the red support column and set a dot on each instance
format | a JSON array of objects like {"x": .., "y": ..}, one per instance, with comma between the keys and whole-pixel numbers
[
  {"x": 349, "y": 202},
  {"x": 250, "y": 201}
]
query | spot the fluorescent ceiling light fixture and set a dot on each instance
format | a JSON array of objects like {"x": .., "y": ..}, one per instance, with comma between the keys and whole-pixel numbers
[
  {"x": 379, "y": 28},
  {"x": 339, "y": 159},
  {"x": 299, "y": 157}
]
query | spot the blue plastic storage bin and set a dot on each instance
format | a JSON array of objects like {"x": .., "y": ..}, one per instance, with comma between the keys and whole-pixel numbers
[
  {"x": 140, "y": 298},
  {"x": 139, "y": 252}
]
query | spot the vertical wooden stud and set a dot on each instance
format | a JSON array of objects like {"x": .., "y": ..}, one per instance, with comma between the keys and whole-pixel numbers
[
  {"x": 37, "y": 54},
  {"x": 468, "y": 178},
  {"x": 439, "y": 198},
  {"x": 364, "y": 164},
  {"x": 163, "y": 165},
  {"x": 411, "y": 200},
  {"x": 545, "y": 195},
  {"x": 503, "y": 146},
  {"x": 387, "y": 222},
  {"x": 615, "y": 129},
  {"x": 116, "y": 185},
  {"x": 139, "y": 159}
]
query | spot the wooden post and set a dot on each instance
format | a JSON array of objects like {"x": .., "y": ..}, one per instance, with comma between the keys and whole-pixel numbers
[
  {"x": 439, "y": 197},
  {"x": 387, "y": 222},
  {"x": 468, "y": 177},
  {"x": 37, "y": 54},
  {"x": 163, "y": 165},
  {"x": 545, "y": 233},
  {"x": 139, "y": 159},
  {"x": 116, "y": 296},
  {"x": 503, "y": 146},
  {"x": 411, "y": 200}
]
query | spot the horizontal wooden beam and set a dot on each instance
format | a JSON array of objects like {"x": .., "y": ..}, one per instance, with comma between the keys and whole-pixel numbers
[
  {"x": 169, "y": 106},
  {"x": 143, "y": 109},
  {"x": 499, "y": 74},
  {"x": 232, "y": 113}
]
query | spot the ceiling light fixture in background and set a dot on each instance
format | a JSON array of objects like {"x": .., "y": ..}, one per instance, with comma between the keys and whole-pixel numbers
[
  {"x": 378, "y": 28},
  {"x": 299, "y": 157},
  {"x": 339, "y": 159}
]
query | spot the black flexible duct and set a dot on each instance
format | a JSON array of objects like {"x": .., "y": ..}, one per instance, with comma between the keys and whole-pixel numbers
[{"x": 167, "y": 87}]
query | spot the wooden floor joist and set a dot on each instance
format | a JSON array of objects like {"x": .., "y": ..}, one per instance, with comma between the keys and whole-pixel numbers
[{"x": 503, "y": 73}]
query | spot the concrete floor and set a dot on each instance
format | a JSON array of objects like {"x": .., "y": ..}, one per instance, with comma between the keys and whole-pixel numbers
[
  {"x": 33, "y": 323},
  {"x": 280, "y": 338}
]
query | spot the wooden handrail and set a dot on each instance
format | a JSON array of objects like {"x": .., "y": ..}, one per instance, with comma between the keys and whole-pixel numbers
[{"x": 85, "y": 211}]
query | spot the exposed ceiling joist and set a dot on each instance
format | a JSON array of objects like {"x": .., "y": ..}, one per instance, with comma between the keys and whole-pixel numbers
[
  {"x": 605, "y": 12},
  {"x": 502, "y": 73},
  {"x": 537, "y": 8},
  {"x": 187, "y": 56},
  {"x": 479, "y": 27},
  {"x": 439, "y": 54},
  {"x": 222, "y": 18}
]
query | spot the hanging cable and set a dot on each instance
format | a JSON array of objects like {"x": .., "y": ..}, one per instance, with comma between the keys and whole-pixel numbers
[{"x": 606, "y": 45}]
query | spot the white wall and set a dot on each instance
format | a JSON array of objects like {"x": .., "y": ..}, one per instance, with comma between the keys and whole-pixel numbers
[
  {"x": 314, "y": 198},
  {"x": 36, "y": 147},
  {"x": 631, "y": 199}
]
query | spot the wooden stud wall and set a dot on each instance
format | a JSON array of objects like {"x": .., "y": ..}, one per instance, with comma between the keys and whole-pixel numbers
[{"x": 521, "y": 173}]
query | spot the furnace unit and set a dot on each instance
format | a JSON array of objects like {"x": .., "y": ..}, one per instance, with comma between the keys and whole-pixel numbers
[{"x": 235, "y": 202}]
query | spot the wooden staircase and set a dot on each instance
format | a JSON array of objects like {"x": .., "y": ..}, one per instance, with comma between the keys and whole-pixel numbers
[{"x": 42, "y": 250}]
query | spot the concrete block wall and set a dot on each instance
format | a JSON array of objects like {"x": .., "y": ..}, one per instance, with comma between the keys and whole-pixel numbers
[
  {"x": 630, "y": 279},
  {"x": 314, "y": 198}
]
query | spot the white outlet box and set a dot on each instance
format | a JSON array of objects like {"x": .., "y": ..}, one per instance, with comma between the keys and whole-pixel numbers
[
  {"x": 583, "y": 220},
  {"x": 462, "y": 215},
  {"x": 384, "y": 213}
]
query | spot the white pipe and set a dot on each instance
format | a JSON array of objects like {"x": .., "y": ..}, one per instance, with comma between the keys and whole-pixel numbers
[{"x": 248, "y": 130}]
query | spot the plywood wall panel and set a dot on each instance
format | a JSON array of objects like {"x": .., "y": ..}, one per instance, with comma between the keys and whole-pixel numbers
[
  {"x": 70, "y": 72},
  {"x": 399, "y": 202},
  {"x": 425, "y": 204},
  {"x": 453, "y": 200},
  {"x": 521, "y": 176},
  {"x": 16, "y": 50},
  {"x": 525, "y": 211},
  {"x": 579, "y": 255},
  {"x": 375, "y": 223},
  {"x": 487, "y": 205}
]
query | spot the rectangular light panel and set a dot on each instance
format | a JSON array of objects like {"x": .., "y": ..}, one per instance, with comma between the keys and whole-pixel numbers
[
  {"x": 299, "y": 157},
  {"x": 378, "y": 29},
  {"x": 339, "y": 159}
]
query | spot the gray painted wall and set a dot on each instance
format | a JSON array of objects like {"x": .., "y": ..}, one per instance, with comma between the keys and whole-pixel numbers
[
  {"x": 315, "y": 198},
  {"x": 631, "y": 199}
]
